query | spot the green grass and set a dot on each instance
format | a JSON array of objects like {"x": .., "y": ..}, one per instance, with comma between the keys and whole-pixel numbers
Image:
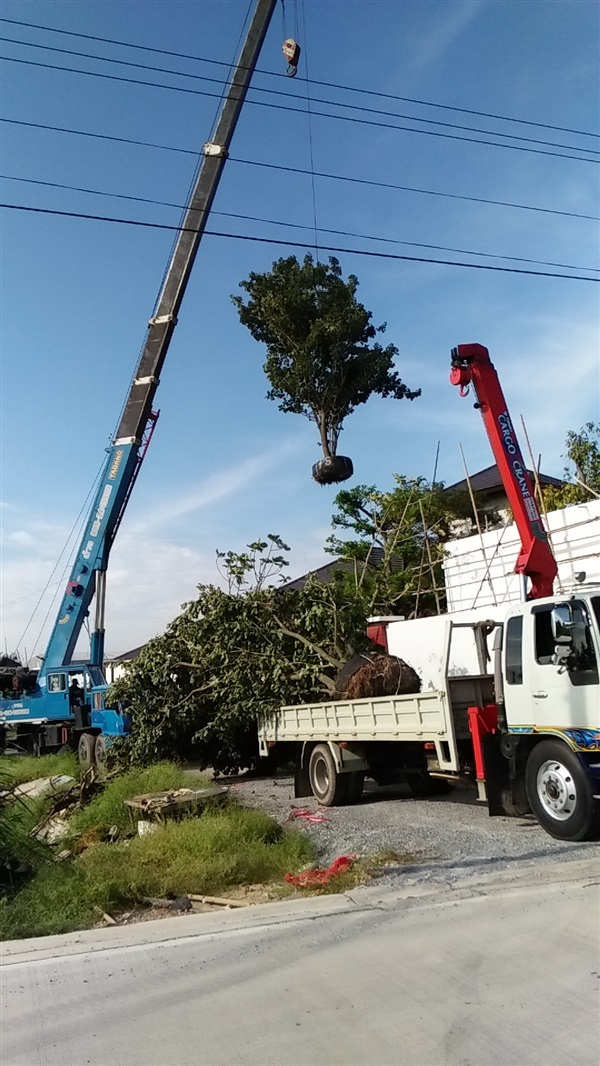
[
  {"x": 221, "y": 849},
  {"x": 108, "y": 808},
  {"x": 19, "y": 768}
]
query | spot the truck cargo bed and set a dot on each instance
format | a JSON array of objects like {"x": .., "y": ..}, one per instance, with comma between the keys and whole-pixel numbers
[{"x": 423, "y": 716}]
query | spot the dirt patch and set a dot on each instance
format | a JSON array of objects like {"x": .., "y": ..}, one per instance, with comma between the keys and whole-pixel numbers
[{"x": 247, "y": 894}]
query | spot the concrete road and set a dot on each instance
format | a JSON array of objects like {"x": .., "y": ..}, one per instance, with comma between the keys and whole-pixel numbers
[{"x": 495, "y": 971}]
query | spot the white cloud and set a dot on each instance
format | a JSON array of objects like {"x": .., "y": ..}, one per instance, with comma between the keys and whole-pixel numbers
[
  {"x": 20, "y": 536},
  {"x": 219, "y": 486},
  {"x": 450, "y": 22}
]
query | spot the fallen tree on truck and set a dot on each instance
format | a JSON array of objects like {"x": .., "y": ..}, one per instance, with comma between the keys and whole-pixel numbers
[{"x": 232, "y": 658}]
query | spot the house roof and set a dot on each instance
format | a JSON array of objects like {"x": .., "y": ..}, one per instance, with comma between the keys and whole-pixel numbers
[
  {"x": 127, "y": 656},
  {"x": 324, "y": 574},
  {"x": 489, "y": 480}
]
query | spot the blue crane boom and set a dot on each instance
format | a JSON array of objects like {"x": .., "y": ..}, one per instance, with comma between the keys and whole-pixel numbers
[{"x": 43, "y": 710}]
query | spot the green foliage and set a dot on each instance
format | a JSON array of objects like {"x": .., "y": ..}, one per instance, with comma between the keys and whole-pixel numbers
[
  {"x": 58, "y": 899},
  {"x": 583, "y": 477},
  {"x": 321, "y": 359},
  {"x": 20, "y": 853},
  {"x": 255, "y": 567},
  {"x": 209, "y": 854},
  {"x": 409, "y": 527},
  {"x": 20, "y": 768},
  {"x": 108, "y": 808},
  {"x": 229, "y": 659},
  {"x": 205, "y": 855}
]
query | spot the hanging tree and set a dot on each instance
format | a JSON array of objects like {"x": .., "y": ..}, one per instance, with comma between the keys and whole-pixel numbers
[{"x": 322, "y": 357}]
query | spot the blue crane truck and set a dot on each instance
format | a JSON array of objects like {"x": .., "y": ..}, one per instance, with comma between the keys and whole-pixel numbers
[{"x": 64, "y": 703}]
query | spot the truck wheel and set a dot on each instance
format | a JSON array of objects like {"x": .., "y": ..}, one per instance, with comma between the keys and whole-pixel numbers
[
  {"x": 328, "y": 787},
  {"x": 559, "y": 792},
  {"x": 355, "y": 785},
  {"x": 85, "y": 750},
  {"x": 100, "y": 753}
]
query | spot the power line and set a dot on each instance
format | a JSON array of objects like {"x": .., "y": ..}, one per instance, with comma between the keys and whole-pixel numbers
[
  {"x": 301, "y": 110},
  {"x": 325, "y": 84},
  {"x": 297, "y": 244},
  {"x": 317, "y": 100},
  {"x": 292, "y": 225},
  {"x": 409, "y": 188},
  {"x": 298, "y": 170}
]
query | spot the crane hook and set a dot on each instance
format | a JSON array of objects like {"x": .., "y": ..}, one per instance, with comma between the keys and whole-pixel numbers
[{"x": 291, "y": 51}]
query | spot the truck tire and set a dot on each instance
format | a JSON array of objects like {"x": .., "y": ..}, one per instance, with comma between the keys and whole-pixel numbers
[
  {"x": 86, "y": 750},
  {"x": 560, "y": 794},
  {"x": 328, "y": 787},
  {"x": 100, "y": 750}
]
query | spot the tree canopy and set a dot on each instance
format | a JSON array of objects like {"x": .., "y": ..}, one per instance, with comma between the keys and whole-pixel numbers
[
  {"x": 582, "y": 477},
  {"x": 397, "y": 550},
  {"x": 322, "y": 356}
]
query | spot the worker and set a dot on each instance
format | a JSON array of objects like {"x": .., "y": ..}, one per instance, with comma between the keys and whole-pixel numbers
[{"x": 75, "y": 694}]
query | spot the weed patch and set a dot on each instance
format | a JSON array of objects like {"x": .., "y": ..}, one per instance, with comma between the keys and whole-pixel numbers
[
  {"x": 108, "y": 808},
  {"x": 220, "y": 850},
  {"x": 16, "y": 769}
]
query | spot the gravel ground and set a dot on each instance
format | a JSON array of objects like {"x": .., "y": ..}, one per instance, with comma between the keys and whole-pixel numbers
[{"x": 440, "y": 839}]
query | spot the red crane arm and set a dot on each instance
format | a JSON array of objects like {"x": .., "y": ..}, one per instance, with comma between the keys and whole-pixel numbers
[{"x": 471, "y": 365}]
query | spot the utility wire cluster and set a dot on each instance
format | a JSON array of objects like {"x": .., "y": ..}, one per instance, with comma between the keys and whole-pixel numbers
[{"x": 360, "y": 111}]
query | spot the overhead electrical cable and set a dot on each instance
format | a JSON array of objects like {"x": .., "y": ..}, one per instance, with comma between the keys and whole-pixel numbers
[
  {"x": 299, "y": 170},
  {"x": 326, "y": 84},
  {"x": 296, "y": 244},
  {"x": 288, "y": 95},
  {"x": 77, "y": 523},
  {"x": 300, "y": 111},
  {"x": 409, "y": 188},
  {"x": 311, "y": 154},
  {"x": 293, "y": 225}
]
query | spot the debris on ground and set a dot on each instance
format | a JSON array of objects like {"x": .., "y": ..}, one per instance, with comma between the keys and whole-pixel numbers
[
  {"x": 314, "y": 817},
  {"x": 316, "y": 878},
  {"x": 219, "y": 901},
  {"x": 42, "y": 785},
  {"x": 160, "y": 805},
  {"x": 182, "y": 903}
]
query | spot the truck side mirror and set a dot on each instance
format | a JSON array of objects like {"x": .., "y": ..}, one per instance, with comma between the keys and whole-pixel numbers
[{"x": 562, "y": 624}]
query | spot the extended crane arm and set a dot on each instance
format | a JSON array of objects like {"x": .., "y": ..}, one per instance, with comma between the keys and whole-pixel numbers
[
  {"x": 137, "y": 420},
  {"x": 471, "y": 365}
]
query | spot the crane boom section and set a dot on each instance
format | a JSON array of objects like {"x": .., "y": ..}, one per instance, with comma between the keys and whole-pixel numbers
[
  {"x": 139, "y": 403},
  {"x": 127, "y": 449},
  {"x": 92, "y": 554},
  {"x": 471, "y": 365}
]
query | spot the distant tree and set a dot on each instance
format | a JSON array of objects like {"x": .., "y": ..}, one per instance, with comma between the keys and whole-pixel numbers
[
  {"x": 582, "y": 477},
  {"x": 397, "y": 550},
  {"x": 322, "y": 357}
]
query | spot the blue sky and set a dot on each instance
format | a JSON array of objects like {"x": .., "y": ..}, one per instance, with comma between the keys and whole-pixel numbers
[{"x": 225, "y": 466}]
